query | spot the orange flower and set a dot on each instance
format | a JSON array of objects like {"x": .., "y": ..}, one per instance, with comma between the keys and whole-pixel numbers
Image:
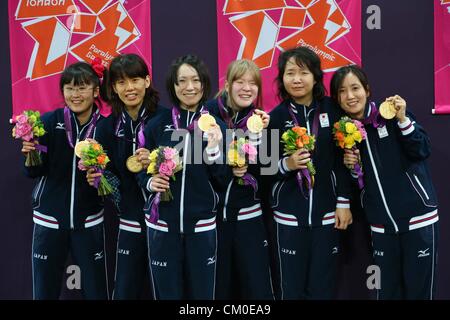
[
  {"x": 299, "y": 143},
  {"x": 101, "y": 159},
  {"x": 96, "y": 147},
  {"x": 305, "y": 139},
  {"x": 299, "y": 130},
  {"x": 336, "y": 125},
  {"x": 340, "y": 136},
  {"x": 341, "y": 144}
]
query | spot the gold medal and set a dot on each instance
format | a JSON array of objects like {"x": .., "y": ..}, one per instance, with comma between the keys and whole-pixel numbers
[
  {"x": 133, "y": 164},
  {"x": 255, "y": 124},
  {"x": 387, "y": 110},
  {"x": 80, "y": 146},
  {"x": 205, "y": 122}
]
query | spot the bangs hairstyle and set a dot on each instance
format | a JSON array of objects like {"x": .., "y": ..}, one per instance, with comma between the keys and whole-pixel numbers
[
  {"x": 238, "y": 69},
  {"x": 339, "y": 76},
  {"x": 304, "y": 57},
  {"x": 203, "y": 74},
  {"x": 128, "y": 66},
  {"x": 81, "y": 73}
]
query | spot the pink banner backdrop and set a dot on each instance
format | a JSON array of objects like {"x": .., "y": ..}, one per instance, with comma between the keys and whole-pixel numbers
[
  {"x": 441, "y": 56},
  {"x": 260, "y": 30},
  {"x": 48, "y": 35}
]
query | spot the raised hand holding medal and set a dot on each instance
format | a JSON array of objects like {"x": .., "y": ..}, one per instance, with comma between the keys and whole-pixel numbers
[{"x": 394, "y": 106}]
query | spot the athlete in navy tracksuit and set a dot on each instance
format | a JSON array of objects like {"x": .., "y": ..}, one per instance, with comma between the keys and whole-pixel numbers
[
  {"x": 134, "y": 103},
  {"x": 306, "y": 220},
  {"x": 67, "y": 212},
  {"x": 182, "y": 241},
  {"x": 119, "y": 136},
  {"x": 242, "y": 240},
  {"x": 398, "y": 195}
]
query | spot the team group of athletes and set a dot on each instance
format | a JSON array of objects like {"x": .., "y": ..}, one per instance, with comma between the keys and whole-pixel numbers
[{"x": 219, "y": 238}]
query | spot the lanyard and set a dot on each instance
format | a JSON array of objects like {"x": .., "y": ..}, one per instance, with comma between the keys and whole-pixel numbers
[
  {"x": 68, "y": 125},
  {"x": 226, "y": 117},
  {"x": 176, "y": 118},
  {"x": 140, "y": 135}
]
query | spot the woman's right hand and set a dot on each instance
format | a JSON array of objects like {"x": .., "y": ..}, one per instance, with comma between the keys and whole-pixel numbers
[
  {"x": 27, "y": 147},
  {"x": 351, "y": 157},
  {"x": 298, "y": 160},
  {"x": 91, "y": 176},
  {"x": 160, "y": 183},
  {"x": 239, "y": 171}
]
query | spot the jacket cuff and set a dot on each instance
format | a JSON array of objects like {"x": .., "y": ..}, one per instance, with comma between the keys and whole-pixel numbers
[
  {"x": 213, "y": 153},
  {"x": 282, "y": 166},
  {"x": 406, "y": 127},
  {"x": 255, "y": 138},
  {"x": 149, "y": 183},
  {"x": 343, "y": 202}
]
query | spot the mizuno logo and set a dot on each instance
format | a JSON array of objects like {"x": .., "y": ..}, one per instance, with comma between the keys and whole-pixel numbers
[
  {"x": 169, "y": 127},
  {"x": 211, "y": 260},
  {"x": 289, "y": 124},
  {"x": 60, "y": 125},
  {"x": 334, "y": 250},
  {"x": 120, "y": 134},
  {"x": 98, "y": 255},
  {"x": 423, "y": 253}
]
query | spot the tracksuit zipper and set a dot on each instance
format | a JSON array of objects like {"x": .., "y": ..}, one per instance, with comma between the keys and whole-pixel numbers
[
  {"x": 310, "y": 191},
  {"x": 72, "y": 189},
  {"x": 227, "y": 195}
]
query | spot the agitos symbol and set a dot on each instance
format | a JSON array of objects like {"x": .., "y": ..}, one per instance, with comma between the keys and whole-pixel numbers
[
  {"x": 59, "y": 27},
  {"x": 266, "y": 25}
]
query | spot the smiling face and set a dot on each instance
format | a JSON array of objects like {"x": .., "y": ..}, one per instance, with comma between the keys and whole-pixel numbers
[
  {"x": 298, "y": 82},
  {"x": 80, "y": 98},
  {"x": 243, "y": 91},
  {"x": 353, "y": 96},
  {"x": 132, "y": 90},
  {"x": 189, "y": 90}
]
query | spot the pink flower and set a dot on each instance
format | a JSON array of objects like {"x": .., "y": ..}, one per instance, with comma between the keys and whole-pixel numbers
[
  {"x": 361, "y": 128},
  {"x": 24, "y": 131},
  {"x": 169, "y": 153},
  {"x": 22, "y": 119},
  {"x": 249, "y": 149},
  {"x": 170, "y": 164},
  {"x": 165, "y": 170}
]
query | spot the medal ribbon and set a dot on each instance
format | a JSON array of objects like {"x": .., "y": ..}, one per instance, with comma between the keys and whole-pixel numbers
[
  {"x": 68, "y": 125},
  {"x": 226, "y": 117}
]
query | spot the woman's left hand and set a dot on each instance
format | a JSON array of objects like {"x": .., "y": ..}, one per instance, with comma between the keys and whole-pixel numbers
[
  {"x": 400, "y": 107},
  {"x": 143, "y": 156},
  {"x": 264, "y": 116},
  {"x": 343, "y": 218},
  {"x": 214, "y": 136}
]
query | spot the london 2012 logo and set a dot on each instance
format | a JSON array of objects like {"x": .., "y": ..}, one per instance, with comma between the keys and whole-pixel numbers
[
  {"x": 270, "y": 25},
  {"x": 85, "y": 29}
]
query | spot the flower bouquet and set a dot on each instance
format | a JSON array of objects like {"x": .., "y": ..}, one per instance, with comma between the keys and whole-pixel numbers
[
  {"x": 92, "y": 156},
  {"x": 28, "y": 127},
  {"x": 295, "y": 139},
  {"x": 164, "y": 161},
  {"x": 347, "y": 133},
  {"x": 240, "y": 152}
]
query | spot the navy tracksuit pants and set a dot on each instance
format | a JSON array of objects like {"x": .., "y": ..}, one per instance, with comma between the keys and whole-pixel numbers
[
  {"x": 131, "y": 265},
  {"x": 407, "y": 263},
  {"x": 50, "y": 250},
  {"x": 243, "y": 266},
  {"x": 308, "y": 261},
  {"x": 182, "y": 266}
]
